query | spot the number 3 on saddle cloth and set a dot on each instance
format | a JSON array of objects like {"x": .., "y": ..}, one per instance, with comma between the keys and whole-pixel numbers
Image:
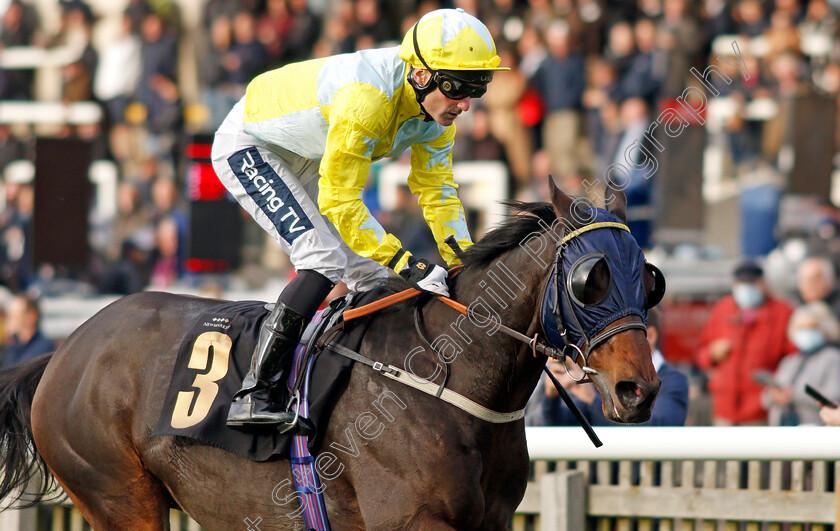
[{"x": 213, "y": 358}]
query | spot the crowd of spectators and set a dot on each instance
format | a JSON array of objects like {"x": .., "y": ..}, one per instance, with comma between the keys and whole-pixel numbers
[
  {"x": 21, "y": 331},
  {"x": 757, "y": 354},
  {"x": 588, "y": 79}
]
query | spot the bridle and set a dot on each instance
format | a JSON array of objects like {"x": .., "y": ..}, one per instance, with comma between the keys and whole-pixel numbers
[{"x": 569, "y": 348}]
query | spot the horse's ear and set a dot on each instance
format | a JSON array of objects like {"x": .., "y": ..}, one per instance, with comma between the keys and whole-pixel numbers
[
  {"x": 616, "y": 203},
  {"x": 562, "y": 202}
]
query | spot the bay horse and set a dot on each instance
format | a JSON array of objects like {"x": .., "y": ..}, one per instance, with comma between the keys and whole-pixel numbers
[{"x": 85, "y": 413}]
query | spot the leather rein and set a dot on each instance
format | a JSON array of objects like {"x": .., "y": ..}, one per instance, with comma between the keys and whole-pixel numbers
[{"x": 533, "y": 343}]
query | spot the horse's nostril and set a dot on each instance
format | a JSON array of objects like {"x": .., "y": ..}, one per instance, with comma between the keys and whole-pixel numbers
[
  {"x": 630, "y": 393},
  {"x": 628, "y": 388}
]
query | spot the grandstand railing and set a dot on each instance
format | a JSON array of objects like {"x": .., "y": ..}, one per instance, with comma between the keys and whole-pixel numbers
[
  {"x": 694, "y": 478},
  {"x": 52, "y": 113}
]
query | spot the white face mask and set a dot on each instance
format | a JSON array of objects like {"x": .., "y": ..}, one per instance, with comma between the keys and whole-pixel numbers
[
  {"x": 808, "y": 339},
  {"x": 748, "y": 295}
]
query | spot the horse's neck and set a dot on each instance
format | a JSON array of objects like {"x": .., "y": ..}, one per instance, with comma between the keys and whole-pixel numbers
[{"x": 494, "y": 368}]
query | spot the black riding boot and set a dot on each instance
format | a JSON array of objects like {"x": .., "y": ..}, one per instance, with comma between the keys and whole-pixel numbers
[
  {"x": 252, "y": 406},
  {"x": 279, "y": 336}
]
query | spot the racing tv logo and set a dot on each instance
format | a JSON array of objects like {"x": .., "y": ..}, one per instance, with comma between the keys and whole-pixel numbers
[{"x": 270, "y": 193}]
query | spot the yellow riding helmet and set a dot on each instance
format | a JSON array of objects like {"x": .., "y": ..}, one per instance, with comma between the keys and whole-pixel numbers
[{"x": 450, "y": 39}]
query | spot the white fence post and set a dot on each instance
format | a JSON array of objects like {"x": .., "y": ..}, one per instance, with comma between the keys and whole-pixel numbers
[
  {"x": 9, "y": 520},
  {"x": 17, "y": 520},
  {"x": 837, "y": 504},
  {"x": 562, "y": 501},
  {"x": 28, "y": 519}
]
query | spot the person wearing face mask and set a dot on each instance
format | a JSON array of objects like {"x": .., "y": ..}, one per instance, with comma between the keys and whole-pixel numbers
[
  {"x": 815, "y": 331},
  {"x": 745, "y": 333},
  {"x": 817, "y": 282}
]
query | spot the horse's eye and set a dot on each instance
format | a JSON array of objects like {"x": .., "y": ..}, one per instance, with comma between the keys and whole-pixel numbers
[
  {"x": 589, "y": 280},
  {"x": 654, "y": 285}
]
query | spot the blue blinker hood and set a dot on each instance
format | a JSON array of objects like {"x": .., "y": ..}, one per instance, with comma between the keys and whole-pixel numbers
[{"x": 625, "y": 295}]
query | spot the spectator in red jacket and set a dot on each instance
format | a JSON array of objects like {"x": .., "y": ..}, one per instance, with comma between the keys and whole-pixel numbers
[{"x": 746, "y": 332}]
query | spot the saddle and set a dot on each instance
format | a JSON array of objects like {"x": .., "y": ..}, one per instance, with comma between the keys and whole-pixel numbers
[{"x": 213, "y": 358}]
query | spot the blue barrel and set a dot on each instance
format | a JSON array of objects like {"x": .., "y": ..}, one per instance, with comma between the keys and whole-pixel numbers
[
  {"x": 759, "y": 216},
  {"x": 640, "y": 208}
]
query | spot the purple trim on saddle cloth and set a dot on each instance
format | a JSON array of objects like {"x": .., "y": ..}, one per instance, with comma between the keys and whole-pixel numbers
[{"x": 307, "y": 482}]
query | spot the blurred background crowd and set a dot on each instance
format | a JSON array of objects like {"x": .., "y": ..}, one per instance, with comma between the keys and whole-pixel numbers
[{"x": 718, "y": 119}]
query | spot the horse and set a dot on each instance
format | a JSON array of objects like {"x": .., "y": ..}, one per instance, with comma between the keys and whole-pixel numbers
[{"x": 85, "y": 413}]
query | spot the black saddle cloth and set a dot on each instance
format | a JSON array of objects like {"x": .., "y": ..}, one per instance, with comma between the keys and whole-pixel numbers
[{"x": 214, "y": 357}]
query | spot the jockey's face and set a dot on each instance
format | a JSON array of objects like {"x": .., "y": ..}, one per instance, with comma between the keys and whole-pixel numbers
[{"x": 443, "y": 110}]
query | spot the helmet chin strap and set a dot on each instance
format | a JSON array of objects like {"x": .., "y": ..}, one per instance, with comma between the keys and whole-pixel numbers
[
  {"x": 421, "y": 91},
  {"x": 426, "y": 116}
]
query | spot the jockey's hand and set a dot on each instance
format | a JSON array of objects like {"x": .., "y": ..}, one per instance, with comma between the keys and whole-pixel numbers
[{"x": 425, "y": 276}]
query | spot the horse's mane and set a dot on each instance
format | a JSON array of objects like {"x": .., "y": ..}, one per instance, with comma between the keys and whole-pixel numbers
[{"x": 524, "y": 219}]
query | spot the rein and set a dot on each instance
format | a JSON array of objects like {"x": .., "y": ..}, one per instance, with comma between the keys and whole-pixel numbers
[
  {"x": 533, "y": 343},
  {"x": 440, "y": 391},
  {"x": 409, "y": 293},
  {"x": 384, "y": 302},
  {"x": 394, "y": 373}
]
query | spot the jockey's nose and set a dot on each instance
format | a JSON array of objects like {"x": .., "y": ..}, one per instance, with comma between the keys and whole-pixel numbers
[{"x": 464, "y": 104}]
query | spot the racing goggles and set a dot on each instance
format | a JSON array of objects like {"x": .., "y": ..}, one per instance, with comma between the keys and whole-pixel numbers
[
  {"x": 464, "y": 84},
  {"x": 458, "y": 89},
  {"x": 589, "y": 282}
]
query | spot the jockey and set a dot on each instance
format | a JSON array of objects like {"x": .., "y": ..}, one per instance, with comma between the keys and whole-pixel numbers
[{"x": 295, "y": 151}]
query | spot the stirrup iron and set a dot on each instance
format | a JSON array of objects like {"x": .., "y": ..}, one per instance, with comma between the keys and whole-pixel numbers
[{"x": 283, "y": 427}]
